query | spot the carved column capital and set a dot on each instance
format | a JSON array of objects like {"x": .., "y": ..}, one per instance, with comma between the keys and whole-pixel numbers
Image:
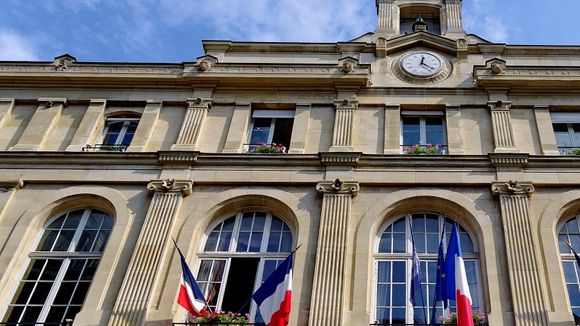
[
  {"x": 513, "y": 188},
  {"x": 199, "y": 102},
  {"x": 346, "y": 104},
  {"x": 171, "y": 185},
  {"x": 8, "y": 186},
  {"x": 338, "y": 187},
  {"x": 48, "y": 102},
  {"x": 499, "y": 105}
]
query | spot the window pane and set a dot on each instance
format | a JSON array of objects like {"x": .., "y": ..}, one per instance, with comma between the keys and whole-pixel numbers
[
  {"x": 80, "y": 292},
  {"x": 26, "y": 289},
  {"x": 204, "y": 270},
  {"x": 398, "y": 315},
  {"x": 56, "y": 314},
  {"x": 256, "y": 242},
  {"x": 47, "y": 241},
  {"x": 14, "y": 313},
  {"x": 72, "y": 312},
  {"x": 385, "y": 243},
  {"x": 574, "y": 294},
  {"x": 283, "y": 131},
  {"x": 74, "y": 270},
  {"x": 243, "y": 240},
  {"x": 569, "y": 272},
  {"x": 274, "y": 241},
  {"x": 63, "y": 241},
  {"x": 434, "y": 131},
  {"x": 399, "y": 271},
  {"x": 399, "y": 243},
  {"x": 383, "y": 292},
  {"x": 35, "y": 269},
  {"x": 101, "y": 241},
  {"x": 86, "y": 241},
  {"x": 94, "y": 221},
  {"x": 411, "y": 131},
  {"x": 64, "y": 293},
  {"x": 261, "y": 131},
  {"x": 212, "y": 241},
  {"x": 73, "y": 219},
  {"x": 224, "y": 244},
  {"x": 51, "y": 269},
  {"x": 57, "y": 223},
  {"x": 384, "y": 272},
  {"x": 40, "y": 292},
  {"x": 286, "y": 242},
  {"x": 90, "y": 269},
  {"x": 31, "y": 314}
]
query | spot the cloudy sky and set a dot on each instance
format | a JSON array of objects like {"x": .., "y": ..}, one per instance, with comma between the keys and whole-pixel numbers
[{"x": 172, "y": 30}]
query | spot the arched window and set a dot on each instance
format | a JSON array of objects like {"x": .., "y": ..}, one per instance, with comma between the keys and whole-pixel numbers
[
  {"x": 569, "y": 232},
  {"x": 239, "y": 253},
  {"x": 61, "y": 268},
  {"x": 393, "y": 262}
]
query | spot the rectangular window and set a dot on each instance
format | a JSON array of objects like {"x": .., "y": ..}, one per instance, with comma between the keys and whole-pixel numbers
[
  {"x": 567, "y": 131},
  {"x": 423, "y": 132},
  {"x": 270, "y": 131}
]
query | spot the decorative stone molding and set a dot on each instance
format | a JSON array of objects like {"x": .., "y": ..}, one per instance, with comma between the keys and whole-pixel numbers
[
  {"x": 178, "y": 158},
  {"x": 348, "y": 64},
  {"x": 148, "y": 262},
  {"x": 387, "y": 11},
  {"x": 7, "y": 186},
  {"x": 526, "y": 287},
  {"x": 338, "y": 187},
  {"x": 49, "y": 102},
  {"x": 193, "y": 124},
  {"x": 206, "y": 62},
  {"x": 515, "y": 160},
  {"x": 330, "y": 269},
  {"x": 171, "y": 185},
  {"x": 343, "y": 125},
  {"x": 348, "y": 159},
  {"x": 381, "y": 47},
  {"x": 62, "y": 63},
  {"x": 513, "y": 188},
  {"x": 503, "y": 134}
]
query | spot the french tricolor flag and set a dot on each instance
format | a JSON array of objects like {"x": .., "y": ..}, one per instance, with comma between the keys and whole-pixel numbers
[
  {"x": 190, "y": 296},
  {"x": 456, "y": 279},
  {"x": 274, "y": 297}
]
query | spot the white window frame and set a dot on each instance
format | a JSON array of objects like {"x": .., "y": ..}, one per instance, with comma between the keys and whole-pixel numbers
[
  {"x": 423, "y": 257},
  {"x": 66, "y": 257},
  {"x": 263, "y": 256},
  {"x": 567, "y": 257},
  {"x": 126, "y": 122},
  {"x": 268, "y": 114}
]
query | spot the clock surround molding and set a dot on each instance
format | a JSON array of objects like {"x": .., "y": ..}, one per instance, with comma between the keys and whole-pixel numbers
[{"x": 402, "y": 74}]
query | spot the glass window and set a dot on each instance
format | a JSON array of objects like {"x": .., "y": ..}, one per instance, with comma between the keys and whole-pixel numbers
[
  {"x": 567, "y": 136},
  {"x": 61, "y": 269},
  {"x": 239, "y": 254},
  {"x": 423, "y": 132},
  {"x": 569, "y": 234},
  {"x": 118, "y": 132},
  {"x": 270, "y": 131},
  {"x": 393, "y": 262}
]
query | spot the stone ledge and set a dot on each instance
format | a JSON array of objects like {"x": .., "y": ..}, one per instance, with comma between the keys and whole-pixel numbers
[{"x": 514, "y": 160}]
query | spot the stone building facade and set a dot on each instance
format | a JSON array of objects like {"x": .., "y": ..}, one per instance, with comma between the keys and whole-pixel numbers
[{"x": 256, "y": 148}]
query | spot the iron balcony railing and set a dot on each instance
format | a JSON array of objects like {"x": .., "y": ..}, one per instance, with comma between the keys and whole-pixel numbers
[
  {"x": 429, "y": 149},
  {"x": 104, "y": 148},
  {"x": 31, "y": 323},
  {"x": 265, "y": 148}
]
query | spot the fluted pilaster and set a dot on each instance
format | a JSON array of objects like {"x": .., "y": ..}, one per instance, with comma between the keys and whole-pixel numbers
[
  {"x": 131, "y": 305},
  {"x": 526, "y": 288},
  {"x": 387, "y": 12},
  {"x": 35, "y": 136},
  {"x": 192, "y": 125},
  {"x": 453, "y": 9},
  {"x": 343, "y": 126},
  {"x": 328, "y": 295},
  {"x": 503, "y": 134}
]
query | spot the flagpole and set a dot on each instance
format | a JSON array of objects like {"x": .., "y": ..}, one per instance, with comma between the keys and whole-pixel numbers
[
  {"x": 180, "y": 253},
  {"x": 419, "y": 272}
]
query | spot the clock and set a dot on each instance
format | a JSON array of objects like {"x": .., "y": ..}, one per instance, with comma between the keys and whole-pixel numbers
[{"x": 421, "y": 67}]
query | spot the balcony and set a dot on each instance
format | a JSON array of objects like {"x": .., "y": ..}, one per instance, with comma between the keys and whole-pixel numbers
[
  {"x": 265, "y": 148},
  {"x": 428, "y": 149},
  {"x": 104, "y": 148}
]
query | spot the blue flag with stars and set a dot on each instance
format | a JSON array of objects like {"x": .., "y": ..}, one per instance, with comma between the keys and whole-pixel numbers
[{"x": 440, "y": 285}]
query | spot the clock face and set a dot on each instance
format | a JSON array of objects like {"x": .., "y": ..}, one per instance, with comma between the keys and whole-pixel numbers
[{"x": 421, "y": 64}]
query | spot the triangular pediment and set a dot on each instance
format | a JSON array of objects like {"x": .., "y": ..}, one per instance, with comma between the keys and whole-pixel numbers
[{"x": 423, "y": 40}]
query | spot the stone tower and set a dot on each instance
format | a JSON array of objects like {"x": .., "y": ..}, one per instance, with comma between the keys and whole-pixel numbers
[{"x": 396, "y": 17}]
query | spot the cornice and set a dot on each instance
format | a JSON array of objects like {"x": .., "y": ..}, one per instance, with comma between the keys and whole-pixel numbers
[
  {"x": 213, "y": 46},
  {"x": 423, "y": 39},
  {"x": 496, "y": 73}
]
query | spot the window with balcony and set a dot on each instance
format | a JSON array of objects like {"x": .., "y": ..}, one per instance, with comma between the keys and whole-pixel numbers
[
  {"x": 118, "y": 133},
  {"x": 270, "y": 131},
  {"x": 423, "y": 133},
  {"x": 567, "y": 131},
  {"x": 61, "y": 268},
  {"x": 239, "y": 254}
]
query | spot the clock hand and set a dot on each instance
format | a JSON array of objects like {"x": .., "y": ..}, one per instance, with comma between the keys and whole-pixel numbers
[{"x": 426, "y": 65}]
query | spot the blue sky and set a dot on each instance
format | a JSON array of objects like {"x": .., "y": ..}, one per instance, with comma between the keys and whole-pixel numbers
[{"x": 172, "y": 30}]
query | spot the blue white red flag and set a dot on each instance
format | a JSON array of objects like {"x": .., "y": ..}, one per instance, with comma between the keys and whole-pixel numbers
[
  {"x": 274, "y": 297},
  {"x": 190, "y": 295},
  {"x": 456, "y": 280}
]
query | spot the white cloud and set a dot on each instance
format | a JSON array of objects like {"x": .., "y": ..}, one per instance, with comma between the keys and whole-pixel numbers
[
  {"x": 483, "y": 18},
  {"x": 15, "y": 47}
]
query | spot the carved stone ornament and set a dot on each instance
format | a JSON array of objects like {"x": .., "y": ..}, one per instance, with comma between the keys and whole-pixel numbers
[
  {"x": 497, "y": 68},
  {"x": 11, "y": 186},
  {"x": 513, "y": 188},
  {"x": 462, "y": 43},
  {"x": 338, "y": 187},
  {"x": 171, "y": 185},
  {"x": 348, "y": 64},
  {"x": 206, "y": 62},
  {"x": 50, "y": 102},
  {"x": 499, "y": 105},
  {"x": 61, "y": 63},
  {"x": 199, "y": 102},
  {"x": 346, "y": 104}
]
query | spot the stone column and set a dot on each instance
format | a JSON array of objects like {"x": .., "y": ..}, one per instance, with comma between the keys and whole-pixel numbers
[
  {"x": 192, "y": 125},
  {"x": 146, "y": 128},
  {"x": 343, "y": 125},
  {"x": 523, "y": 266},
  {"x": 300, "y": 128},
  {"x": 545, "y": 130},
  {"x": 238, "y": 128},
  {"x": 93, "y": 122},
  {"x": 392, "y": 133},
  {"x": 503, "y": 135},
  {"x": 453, "y": 122},
  {"x": 40, "y": 125},
  {"x": 388, "y": 16},
  {"x": 131, "y": 305},
  {"x": 453, "y": 13},
  {"x": 328, "y": 294}
]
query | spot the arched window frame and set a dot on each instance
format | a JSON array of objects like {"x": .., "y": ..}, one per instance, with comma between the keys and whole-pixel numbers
[
  {"x": 570, "y": 267},
  {"x": 423, "y": 257},
  {"x": 227, "y": 256},
  {"x": 66, "y": 257}
]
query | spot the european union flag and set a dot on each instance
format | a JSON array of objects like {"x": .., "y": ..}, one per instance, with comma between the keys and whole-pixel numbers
[
  {"x": 416, "y": 278},
  {"x": 440, "y": 288}
]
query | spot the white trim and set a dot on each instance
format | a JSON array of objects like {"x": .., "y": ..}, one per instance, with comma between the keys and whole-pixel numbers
[{"x": 288, "y": 114}]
